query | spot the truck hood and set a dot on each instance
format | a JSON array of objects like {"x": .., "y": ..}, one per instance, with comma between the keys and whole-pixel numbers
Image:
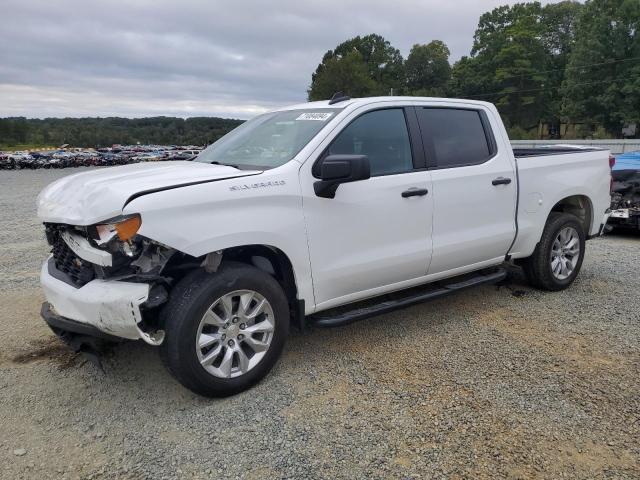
[{"x": 90, "y": 197}]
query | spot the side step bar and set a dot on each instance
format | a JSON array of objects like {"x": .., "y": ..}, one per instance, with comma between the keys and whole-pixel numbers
[{"x": 343, "y": 318}]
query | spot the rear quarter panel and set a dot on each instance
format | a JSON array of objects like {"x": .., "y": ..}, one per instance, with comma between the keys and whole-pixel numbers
[{"x": 545, "y": 180}]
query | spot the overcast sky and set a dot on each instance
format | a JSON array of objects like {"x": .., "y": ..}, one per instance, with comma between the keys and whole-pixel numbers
[{"x": 185, "y": 58}]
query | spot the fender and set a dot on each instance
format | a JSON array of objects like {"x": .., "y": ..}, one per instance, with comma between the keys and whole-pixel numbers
[{"x": 206, "y": 217}]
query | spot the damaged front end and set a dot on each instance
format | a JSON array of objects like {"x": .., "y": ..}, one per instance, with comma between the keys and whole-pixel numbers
[
  {"x": 106, "y": 277},
  {"x": 625, "y": 199}
]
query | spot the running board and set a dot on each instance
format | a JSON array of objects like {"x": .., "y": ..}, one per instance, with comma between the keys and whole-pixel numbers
[{"x": 326, "y": 319}]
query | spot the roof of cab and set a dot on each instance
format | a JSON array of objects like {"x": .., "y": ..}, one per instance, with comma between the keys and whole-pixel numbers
[{"x": 356, "y": 102}]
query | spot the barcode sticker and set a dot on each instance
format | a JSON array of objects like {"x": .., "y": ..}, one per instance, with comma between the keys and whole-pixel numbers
[{"x": 320, "y": 116}]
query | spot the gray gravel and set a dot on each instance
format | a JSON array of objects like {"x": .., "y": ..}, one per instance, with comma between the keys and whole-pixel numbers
[{"x": 492, "y": 383}]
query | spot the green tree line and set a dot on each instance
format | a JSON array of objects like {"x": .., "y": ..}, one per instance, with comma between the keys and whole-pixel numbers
[
  {"x": 101, "y": 132},
  {"x": 562, "y": 63}
]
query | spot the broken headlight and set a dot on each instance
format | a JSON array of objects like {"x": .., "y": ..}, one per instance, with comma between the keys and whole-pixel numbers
[
  {"x": 118, "y": 233},
  {"x": 124, "y": 228}
]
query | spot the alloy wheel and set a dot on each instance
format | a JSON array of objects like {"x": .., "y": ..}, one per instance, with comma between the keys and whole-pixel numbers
[
  {"x": 565, "y": 252},
  {"x": 234, "y": 333}
]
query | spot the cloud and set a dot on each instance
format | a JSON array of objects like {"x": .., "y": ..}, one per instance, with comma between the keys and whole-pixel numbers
[{"x": 160, "y": 57}]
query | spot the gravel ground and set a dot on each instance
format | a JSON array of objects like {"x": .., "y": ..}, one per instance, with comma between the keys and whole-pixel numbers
[{"x": 495, "y": 382}]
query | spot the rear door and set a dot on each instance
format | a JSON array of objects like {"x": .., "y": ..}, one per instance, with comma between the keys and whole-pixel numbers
[{"x": 474, "y": 188}]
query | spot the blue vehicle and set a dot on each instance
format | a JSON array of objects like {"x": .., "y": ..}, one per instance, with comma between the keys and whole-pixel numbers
[{"x": 628, "y": 161}]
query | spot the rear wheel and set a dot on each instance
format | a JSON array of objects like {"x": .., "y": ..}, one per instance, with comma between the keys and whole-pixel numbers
[
  {"x": 224, "y": 330},
  {"x": 557, "y": 259}
]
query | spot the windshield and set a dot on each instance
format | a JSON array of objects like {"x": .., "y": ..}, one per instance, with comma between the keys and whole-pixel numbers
[{"x": 269, "y": 140}]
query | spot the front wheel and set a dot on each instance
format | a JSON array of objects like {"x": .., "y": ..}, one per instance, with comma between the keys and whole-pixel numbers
[
  {"x": 557, "y": 259},
  {"x": 224, "y": 330}
]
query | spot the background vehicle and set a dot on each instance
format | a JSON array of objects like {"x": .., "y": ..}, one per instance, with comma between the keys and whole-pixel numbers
[
  {"x": 625, "y": 201},
  {"x": 76, "y": 157},
  {"x": 301, "y": 214},
  {"x": 185, "y": 154}
]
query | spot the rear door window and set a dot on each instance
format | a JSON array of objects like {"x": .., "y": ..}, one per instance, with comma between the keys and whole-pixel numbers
[{"x": 455, "y": 137}]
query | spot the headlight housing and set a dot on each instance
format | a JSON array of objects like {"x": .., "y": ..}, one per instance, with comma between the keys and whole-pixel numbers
[{"x": 125, "y": 228}]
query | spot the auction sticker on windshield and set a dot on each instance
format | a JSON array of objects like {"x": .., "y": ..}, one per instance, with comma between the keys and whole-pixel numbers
[{"x": 320, "y": 116}]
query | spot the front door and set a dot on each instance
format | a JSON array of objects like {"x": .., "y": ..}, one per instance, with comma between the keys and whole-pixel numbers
[{"x": 370, "y": 236}]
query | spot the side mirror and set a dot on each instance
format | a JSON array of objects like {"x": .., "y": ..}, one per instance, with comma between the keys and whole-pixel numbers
[{"x": 337, "y": 169}]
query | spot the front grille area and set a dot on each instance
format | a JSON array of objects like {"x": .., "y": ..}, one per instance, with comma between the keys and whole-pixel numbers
[{"x": 78, "y": 271}]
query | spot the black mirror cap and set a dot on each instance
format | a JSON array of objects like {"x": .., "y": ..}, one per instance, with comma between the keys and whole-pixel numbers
[
  {"x": 345, "y": 168},
  {"x": 337, "y": 169}
]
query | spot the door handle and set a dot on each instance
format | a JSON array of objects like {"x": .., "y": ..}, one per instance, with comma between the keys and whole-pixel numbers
[
  {"x": 414, "y": 192},
  {"x": 501, "y": 181}
]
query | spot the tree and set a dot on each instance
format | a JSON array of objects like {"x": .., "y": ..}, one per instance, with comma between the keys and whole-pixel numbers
[
  {"x": 602, "y": 81},
  {"x": 371, "y": 56},
  {"x": 348, "y": 74},
  {"x": 427, "y": 69},
  {"x": 559, "y": 22},
  {"x": 518, "y": 61},
  {"x": 509, "y": 48},
  {"x": 467, "y": 81}
]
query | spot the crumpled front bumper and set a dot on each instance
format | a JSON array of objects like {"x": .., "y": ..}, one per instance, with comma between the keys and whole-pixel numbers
[{"x": 111, "y": 307}]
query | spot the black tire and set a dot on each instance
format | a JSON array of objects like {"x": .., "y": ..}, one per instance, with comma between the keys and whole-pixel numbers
[
  {"x": 188, "y": 302},
  {"x": 537, "y": 267}
]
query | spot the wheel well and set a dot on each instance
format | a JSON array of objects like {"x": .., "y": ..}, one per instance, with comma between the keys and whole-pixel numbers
[
  {"x": 579, "y": 206},
  {"x": 276, "y": 263},
  {"x": 269, "y": 259},
  {"x": 265, "y": 257}
]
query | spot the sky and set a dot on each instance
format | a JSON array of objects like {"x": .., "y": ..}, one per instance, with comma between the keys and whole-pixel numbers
[{"x": 140, "y": 58}]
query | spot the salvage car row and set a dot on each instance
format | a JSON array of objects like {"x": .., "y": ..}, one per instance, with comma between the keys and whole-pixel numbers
[{"x": 116, "y": 155}]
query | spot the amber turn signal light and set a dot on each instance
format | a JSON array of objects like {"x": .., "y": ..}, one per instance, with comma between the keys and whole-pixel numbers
[{"x": 127, "y": 229}]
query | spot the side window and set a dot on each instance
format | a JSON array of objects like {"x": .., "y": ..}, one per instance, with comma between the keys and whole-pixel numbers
[
  {"x": 457, "y": 137},
  {"x": 382, "y": 136}
]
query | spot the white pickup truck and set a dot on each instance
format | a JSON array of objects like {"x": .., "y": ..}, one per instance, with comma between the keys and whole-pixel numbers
[{"x": 299, "y": 216}]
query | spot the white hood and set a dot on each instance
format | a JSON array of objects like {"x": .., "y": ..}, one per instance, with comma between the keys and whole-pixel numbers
[{"x": 90, "y": 197}]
